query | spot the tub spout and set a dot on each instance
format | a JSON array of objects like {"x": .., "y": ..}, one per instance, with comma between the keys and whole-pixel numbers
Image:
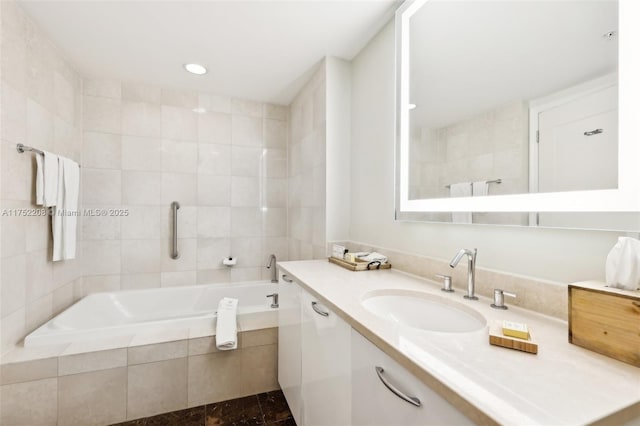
[{"x": 274, "y": 270}]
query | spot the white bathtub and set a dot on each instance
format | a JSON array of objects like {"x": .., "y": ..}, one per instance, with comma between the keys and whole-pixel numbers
[{"x": 124, "y": 313}]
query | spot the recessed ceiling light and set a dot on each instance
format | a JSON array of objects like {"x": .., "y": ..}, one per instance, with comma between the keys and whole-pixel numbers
[{"x": 195, "y": 69}]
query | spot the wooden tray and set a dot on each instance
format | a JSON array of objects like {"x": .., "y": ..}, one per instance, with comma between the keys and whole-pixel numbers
[
  {"x": 498, "y": 339},
  {"x": 359, "y": 265}
]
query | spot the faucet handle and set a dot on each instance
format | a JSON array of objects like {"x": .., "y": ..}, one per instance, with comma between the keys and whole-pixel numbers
[
  {"x": 446, "y": 284},
  {"x": 498, "y": 298}
]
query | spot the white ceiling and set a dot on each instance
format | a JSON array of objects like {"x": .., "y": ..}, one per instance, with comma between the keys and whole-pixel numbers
[
  {"x": 258, "y": 50},
  {"x": 468, "y": 57}
]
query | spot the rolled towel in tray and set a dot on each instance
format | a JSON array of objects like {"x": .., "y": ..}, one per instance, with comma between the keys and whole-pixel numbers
[{"x": 226, "y": 326}]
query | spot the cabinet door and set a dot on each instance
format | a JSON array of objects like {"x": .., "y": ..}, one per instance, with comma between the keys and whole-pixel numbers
[
  {"x": 326, "y": 365},
  {"x": 375, "y": 404},
  {"x": 290, "y": 345}
]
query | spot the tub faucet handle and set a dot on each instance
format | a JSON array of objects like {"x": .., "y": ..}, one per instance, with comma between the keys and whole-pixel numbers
[
  {"x": 274, "y": 302},
  {"x": 498, "y": 298},
  {"x": 446, "y": 283}
]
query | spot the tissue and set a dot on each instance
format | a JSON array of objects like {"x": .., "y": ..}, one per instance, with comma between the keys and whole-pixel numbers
[{"x": 623, "y": 264}]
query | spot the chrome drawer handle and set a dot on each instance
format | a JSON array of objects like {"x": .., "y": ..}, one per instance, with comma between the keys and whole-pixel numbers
[
  {"x": 314, "y": 305},
  {"x": 410, "y": 399},
  {"x": 286, "y": 278}
]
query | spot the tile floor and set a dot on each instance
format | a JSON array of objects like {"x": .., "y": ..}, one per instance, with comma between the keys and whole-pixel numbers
[{"x": 269, "y": 409}]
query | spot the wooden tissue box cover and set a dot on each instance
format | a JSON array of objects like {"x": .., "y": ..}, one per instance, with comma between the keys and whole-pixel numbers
[{"x": 605, "y": 320}]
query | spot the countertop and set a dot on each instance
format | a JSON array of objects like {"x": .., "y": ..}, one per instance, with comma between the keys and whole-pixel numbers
[{"x": 562, "y": 385}]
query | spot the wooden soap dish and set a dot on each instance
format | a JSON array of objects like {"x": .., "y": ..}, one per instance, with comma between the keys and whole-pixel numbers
[{"x": 498, "y": 339}]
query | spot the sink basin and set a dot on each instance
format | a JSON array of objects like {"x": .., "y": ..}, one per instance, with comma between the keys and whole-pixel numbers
[{"x": 423, "y": 311}]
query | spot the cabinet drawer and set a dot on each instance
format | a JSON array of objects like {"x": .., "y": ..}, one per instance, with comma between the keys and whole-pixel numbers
[{"x": 606, "y": 323}]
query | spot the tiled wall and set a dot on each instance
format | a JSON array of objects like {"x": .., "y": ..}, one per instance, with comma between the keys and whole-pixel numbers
[
  {"x": 491, "y": 145},
  {"x": 110, "y": 386},
  {"x": 41, "y": 107},
  {"x": 307, "y": 169},
  {"x": 224, "y": 160}
]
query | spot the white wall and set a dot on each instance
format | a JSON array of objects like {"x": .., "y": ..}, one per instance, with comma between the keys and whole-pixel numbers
[
  {"x": 338, "y": 148},
  {"x": 560, "y": 255}
]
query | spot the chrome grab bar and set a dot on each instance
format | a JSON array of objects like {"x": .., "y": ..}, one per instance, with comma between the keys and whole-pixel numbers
[
  {"x": 314, "y": 305},
  {"x": 410, "y": 399},
  {"x": 174, "y": 243},
  {"x": 286, "y": 278}
]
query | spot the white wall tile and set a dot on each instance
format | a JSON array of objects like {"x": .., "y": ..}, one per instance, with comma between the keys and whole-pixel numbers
[
  {"x": 98, "y": 226},
  {"x": 39, "y": 126},
  {"x": 246, "y": 131},
  {"x": 93, "y": 398},
  {"x": 14, "y": 111},
  {"x": 187, "y": 259},
  {"x": 14, "y": 282},
  {"x": 245, "y": 191},
  {"x": 156, "y": 387},
  {"x": 214, "y": 190},
  {"x": 246, "y": 161},
  {"x": 101, "y": 114},
  {"x": 100, "y": 186},
  {"x": 141, "y": 153},
  {"x": 214, "y": 103},
  {"x": 101, "y": 283},
  {"x": 140, "y": 281},
  {"x": 246, "y": 222},
  {"x": 275, "y": 222},
  {"x": 30, "y": 403},
  {"x": 275, "y": 133},
  {"x": 141, "y": 119},
  {"x": 141, "y": 188},
  {"x": 211, "y": 276},
  {"x": 179, "y": 98},
  {"x": 140, "y": 92},
  {"x": 38, "y": 312},
  {"x": 275, "y": 163},
  {"x": 275, "y": 192},
  {"x": 179, "y": 123},
  {"x": 140, "y": 256},
  {"x": 103, "y": 88},
  {"x": 214, "y": 159},
  {"x": 211, "y": 251},
  {"x": 63, "y": 98},
  {"x": 214, "y": 222},
  {"x": 142, "y": 222},
  {"x": 214, "y": 127},
  {"x": 180, "y": 157},
  {"x": 187, "y": 222},
  {"x": 248, "y": 251},
  {"x": 101, "y": 150},
  {"x": 246, "y": 107},
  {"x": 179, "y": 187},
  {"x": 178, "y": 279},
  {"x": 277, "y": 112},
  {"x": 100, "y": 257}
]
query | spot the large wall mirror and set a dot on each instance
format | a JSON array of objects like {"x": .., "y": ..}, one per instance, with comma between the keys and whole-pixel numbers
[{"x": 515, "y": 112}]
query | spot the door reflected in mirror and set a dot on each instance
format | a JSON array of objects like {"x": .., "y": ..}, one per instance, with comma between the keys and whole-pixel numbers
[{"x": 512, "y": 97}]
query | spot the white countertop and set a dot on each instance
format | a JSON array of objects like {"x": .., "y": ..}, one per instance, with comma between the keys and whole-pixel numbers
[{"x": 562, "y": 384}]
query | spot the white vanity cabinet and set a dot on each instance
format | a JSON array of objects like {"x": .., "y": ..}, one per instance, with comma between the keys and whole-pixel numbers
[
  {"x": 326, "y": 365},
  {"x": 290, "y": 344},
  {"x": 373, "y": 403}
]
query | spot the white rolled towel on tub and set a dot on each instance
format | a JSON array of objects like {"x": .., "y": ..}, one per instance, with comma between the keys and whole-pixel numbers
[{"x": 226, "y": 325}]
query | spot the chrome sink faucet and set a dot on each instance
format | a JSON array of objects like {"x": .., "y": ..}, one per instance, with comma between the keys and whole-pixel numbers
[
  {"x": 471, "y": 279},
  {"x": 274, "y": 271}
]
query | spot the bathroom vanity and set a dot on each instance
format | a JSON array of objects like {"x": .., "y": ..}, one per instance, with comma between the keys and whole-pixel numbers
[{"x": 342, "y": 361}]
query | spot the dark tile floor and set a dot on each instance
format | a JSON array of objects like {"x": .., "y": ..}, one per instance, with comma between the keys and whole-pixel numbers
[{"x": 269, "y": 409}]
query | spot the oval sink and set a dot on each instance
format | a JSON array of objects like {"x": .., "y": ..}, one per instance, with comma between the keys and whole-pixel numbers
[{"x": 423, "y": 311}]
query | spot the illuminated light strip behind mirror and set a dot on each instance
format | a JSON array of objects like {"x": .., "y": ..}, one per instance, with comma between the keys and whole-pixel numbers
[{"x": 624, "y": 199}]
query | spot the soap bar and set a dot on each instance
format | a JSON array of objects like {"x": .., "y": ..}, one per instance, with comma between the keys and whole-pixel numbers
[{"x": 515, "y": 329}]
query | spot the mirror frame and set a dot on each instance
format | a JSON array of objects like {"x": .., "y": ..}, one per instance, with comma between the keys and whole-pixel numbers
[{"x": 624, "y": 199}]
